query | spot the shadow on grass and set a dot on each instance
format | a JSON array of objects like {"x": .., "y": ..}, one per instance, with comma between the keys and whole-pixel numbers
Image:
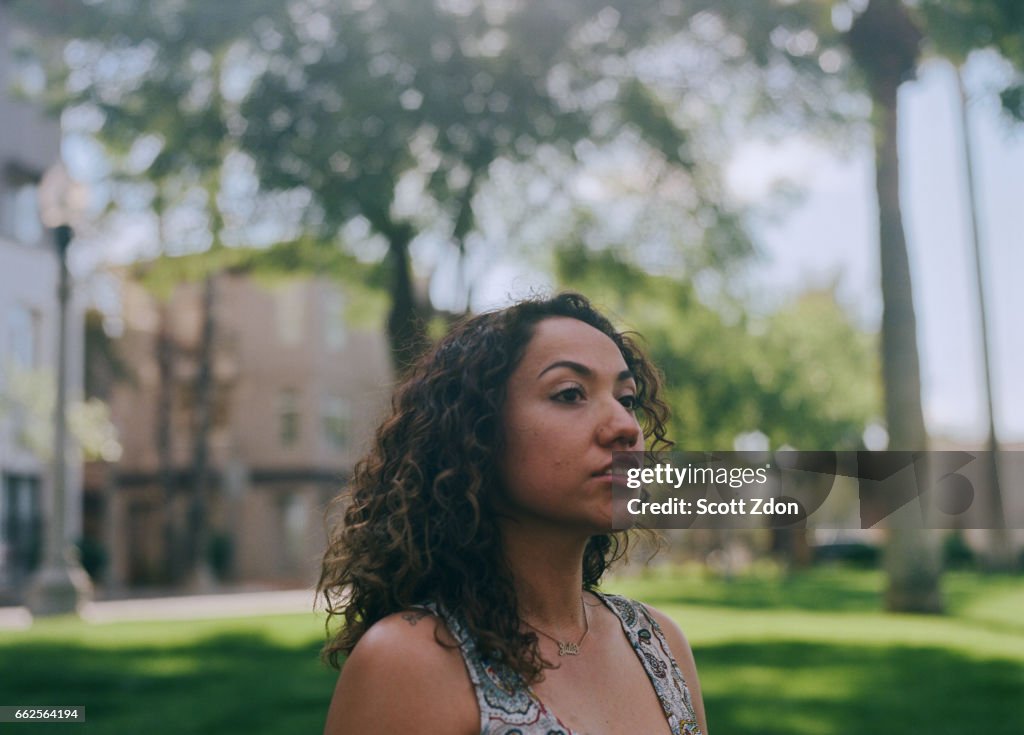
[
  {"x": 797, "y": 689},
  {"x": 233, "y": 683}
]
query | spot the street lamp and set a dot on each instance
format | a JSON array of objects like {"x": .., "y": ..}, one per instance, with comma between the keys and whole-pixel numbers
[{"x": 61, "y": 585}]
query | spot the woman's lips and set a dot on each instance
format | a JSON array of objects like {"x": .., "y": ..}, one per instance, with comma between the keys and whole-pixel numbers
[{"x": 618, "y": 480}]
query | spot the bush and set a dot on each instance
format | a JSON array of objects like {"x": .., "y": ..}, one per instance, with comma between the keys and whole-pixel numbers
[
  {"x": 854, "y": 554},
  {"x": 93, "y": 556},
  {"x": 956, "y": 554},
  {"x": 220, "y": 553}
]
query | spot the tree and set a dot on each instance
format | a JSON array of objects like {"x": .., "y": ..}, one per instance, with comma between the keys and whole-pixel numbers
[
  {"x": 345, "y": 105},
  {"x": 359, "y": 100},
  {"x": 885, "y": 44},
  {"x": 805, "y": 376},
  {"x": 957, "y": 31},
  {"x": 885, "y": 40}
]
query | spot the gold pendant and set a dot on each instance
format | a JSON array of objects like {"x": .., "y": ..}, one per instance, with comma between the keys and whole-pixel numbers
[{"x": 568, "y": 649}]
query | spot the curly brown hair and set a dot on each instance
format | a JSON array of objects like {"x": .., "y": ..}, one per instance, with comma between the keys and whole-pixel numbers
[{"x": 419, "y": 522}]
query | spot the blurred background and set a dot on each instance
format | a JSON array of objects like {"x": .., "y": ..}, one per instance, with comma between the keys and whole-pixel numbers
[{"x": 263, "y": 211}]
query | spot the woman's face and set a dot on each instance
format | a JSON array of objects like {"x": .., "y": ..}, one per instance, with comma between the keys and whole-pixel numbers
[{"x": 568, "y": 407}]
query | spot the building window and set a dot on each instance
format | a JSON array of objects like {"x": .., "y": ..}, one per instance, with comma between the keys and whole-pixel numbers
[
  {"x": 288, "y": 417},
  {"x": 22, "y": 339},
  {"x": 295, "y": 523},
  {"x": 336, "y": 421},
  {"x": 290, "y": 312},
  {"x": 334, "y": 320},
  {"x": 20, "y": 527},
  {"x": 19, "y": 213}
]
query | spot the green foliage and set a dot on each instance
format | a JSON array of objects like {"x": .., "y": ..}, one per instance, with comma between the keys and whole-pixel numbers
[
  {"x": 804, "y": 376},
  {"x": 345, "y": 104},
  {"x": 29, "y": 398},
  {"x": 90, "y": 424},
  {"x": 853, "y": 553},
  {"x": 958, "y": 27},
  {"x": 947, "y": 28},
  {"x": 355, "y": 96},
  {"x": 827, "y": 381},
  {"x": 150, "y": 83},
  {"x": 956, "y": 554},
  {"x": 303, "y": 258}
]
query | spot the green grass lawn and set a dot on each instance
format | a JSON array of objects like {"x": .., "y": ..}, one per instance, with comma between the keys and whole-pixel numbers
[
  {"x": 809, "y": 654},
  {"x": 814, "y": 654},
  {"x": 251, "y": 675}
]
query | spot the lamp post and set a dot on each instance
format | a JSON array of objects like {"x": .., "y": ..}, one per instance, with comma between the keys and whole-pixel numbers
[{"x": 61, "y": 585}]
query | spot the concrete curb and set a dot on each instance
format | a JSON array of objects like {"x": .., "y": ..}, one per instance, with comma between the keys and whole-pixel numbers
[{"x": 187, "y": 607}]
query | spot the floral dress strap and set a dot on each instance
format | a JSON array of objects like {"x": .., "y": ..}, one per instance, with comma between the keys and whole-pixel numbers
[
  {"x": 507, "y": 705},
  {"x": 645, "y": 635}
]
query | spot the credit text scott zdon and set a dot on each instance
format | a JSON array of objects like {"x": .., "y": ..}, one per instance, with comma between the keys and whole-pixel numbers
[{"x": 703, "y": 506}]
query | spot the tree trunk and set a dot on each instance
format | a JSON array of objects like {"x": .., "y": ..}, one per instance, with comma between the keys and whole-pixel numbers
[
  {"x": 1000, "y": 552},
  {"x": 885, "y": 44},
  {"x": 201, "y": 576},
  {"x": 407, "y": 332},
  {"x": 901, "y": 369},
  {"x": 164, "y": 446}
]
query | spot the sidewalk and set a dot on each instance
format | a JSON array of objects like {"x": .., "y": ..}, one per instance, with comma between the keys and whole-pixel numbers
[{"x": 185, "y": 607}]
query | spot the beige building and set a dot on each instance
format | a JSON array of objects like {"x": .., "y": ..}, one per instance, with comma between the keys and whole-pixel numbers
[{"x": 297, "y": 395}]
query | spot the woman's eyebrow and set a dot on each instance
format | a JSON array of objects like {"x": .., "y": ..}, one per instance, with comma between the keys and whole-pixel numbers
[{"x": 584, "y": 371}]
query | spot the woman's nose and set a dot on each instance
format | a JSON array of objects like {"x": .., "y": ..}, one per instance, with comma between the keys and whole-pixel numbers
[{"x": 619, "y": 427}]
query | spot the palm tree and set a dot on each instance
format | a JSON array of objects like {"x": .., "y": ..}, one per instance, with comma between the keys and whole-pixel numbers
[{"x": 884, "y": 42}]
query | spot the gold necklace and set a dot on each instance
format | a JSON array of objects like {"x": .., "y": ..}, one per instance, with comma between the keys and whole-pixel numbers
[{"x": 567, "y": 648}]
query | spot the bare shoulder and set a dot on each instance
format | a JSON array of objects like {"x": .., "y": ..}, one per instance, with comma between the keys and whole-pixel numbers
[
  {"x": 412, "y": 655},
  {"x": 683, "y": 655},
  {"x": 673, "y": 633}
]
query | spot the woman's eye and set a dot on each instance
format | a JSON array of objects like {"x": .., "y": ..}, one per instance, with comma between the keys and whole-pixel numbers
[
  {"x": 569, "y": 395},
  {"x": 630, "y": 402}
]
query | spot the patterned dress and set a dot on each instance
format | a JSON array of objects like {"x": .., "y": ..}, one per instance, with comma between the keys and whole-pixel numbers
[{"x": 509, "y": 707}]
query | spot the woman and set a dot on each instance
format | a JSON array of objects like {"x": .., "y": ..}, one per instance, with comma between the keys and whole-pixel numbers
[{"x": 476, "y": 532}]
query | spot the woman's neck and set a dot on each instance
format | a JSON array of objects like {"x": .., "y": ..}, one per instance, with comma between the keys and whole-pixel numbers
[{"x": 547, "y": 570}]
